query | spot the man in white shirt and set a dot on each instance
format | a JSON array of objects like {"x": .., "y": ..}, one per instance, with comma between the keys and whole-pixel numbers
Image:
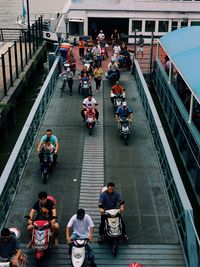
[
  {"x": 101, "y": 36},
  {"x": 83, "y": 227},
  {"x": 90, "y": 103},
  {"x": 116, "y": 50}
]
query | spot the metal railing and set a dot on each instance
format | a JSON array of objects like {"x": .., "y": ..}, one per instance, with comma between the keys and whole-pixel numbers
[
  {"x": 186, "y": 135},
  {"x": 13, "y": 170},
  {"x": 180, "y": 205},
  {"x": 18, "y": 53}
]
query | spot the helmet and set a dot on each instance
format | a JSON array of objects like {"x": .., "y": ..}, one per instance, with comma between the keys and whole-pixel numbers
[
  {"x": 52, "y": 199},
  {"x": 124, "y": 104},
  {"x": 80, "y": 214}
]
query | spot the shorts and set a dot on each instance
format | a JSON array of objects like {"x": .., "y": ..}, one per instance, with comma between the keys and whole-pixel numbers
[{"x": 140, "y": 49}]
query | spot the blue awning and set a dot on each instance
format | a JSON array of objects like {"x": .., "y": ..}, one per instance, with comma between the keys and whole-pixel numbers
[{"x": 183, "y": 48}]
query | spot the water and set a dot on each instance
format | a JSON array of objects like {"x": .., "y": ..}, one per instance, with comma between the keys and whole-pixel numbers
[{"x": 11, "y": 9}]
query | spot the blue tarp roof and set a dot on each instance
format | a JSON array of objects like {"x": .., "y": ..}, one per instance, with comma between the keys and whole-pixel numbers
[{"x": 183, "y": 48}]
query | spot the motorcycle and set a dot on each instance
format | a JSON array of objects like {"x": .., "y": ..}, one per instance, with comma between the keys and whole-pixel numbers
[
  {"x": 23, "y": 258},
  {"x": 64, "y": 82},
  {"x": 78, "y": 252},
  {"x": 90, "y": 119},
  {"x": 124, "y": 61},
  {"x": 103, "y": 52},
  {"x": 113, "y": 227},
  {"x": 42, "y": 238},
  {"x": 124, "y": 128},
  {"x": 46, "y": 165},
  {"x": 118, "y": 100},
  {"x": 85, "y": 88},
  {"x": 113, "y": 76}
]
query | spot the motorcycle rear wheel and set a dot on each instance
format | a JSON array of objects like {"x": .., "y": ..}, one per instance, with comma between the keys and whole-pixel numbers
[
  {"x": 44, "y": 178},
  {"x": 114, "y": 247}
]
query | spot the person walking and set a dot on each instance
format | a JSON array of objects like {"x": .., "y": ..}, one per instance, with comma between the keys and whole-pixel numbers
[
  {"x": 98, "y": 72},
  {"x": 81, "y": 48}
]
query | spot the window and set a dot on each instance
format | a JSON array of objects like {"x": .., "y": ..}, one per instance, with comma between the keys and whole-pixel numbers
[
  {"x": 195, "y": 23},
  {"x": 163, "y": 26},
  {"x": 150, "y": 26},
  {"x": 184, "y": 23},
  {"x": 137, "y": 25},
  {"x": 174, "y": 25}
]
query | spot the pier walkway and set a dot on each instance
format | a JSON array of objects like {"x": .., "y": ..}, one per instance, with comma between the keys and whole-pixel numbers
[{"x": 85, "y": 164}]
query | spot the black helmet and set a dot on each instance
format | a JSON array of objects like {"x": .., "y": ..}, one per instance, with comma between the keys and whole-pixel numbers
[{"x": 80, "y": 214}]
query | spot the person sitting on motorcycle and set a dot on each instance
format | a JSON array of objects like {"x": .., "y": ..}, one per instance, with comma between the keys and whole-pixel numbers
[
  {"x": 124, "y": 111},
  {"x": 101, "y": 36},
  {"x": 110, "y": 199},
  {"x": 126, "y": 57},
  {"x": 44, "y": 209},
  {"x": 48, "y": 148},
  {"x": 89, "y": 102},
  {"x": 54, "y": 142},
  {"x": 117, "y": 89},
  {"x": 112, "y": 66},
  {"x": 81, "y": 75},
  {"x": 88, "y": 56},
  {"x": 87, "y": 79},
  {"x": 83, "y": 227},
  {"x": 9, "y": 248}
]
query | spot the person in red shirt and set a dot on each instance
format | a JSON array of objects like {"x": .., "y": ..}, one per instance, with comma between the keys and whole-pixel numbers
[{"x": 117, "y": 89}]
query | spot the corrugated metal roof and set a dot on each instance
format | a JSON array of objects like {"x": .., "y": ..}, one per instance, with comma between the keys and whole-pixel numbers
[{"x": 183, "y": 48}]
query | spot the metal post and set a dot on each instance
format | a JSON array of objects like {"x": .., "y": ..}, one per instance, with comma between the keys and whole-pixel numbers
[
  {"x": 10, "y": 66},
  {"x": 151, "y": 52},
  {"x": 25, "y": 43},
  {"x": 4, "y": 74},
  {"x": 170, "y": 72},
  {"x": 135, "y": 43},
  {"x": 16, "y": 60},
  {"x": 28, "y": 15},
  {"x": 33, "y": 37},
  {"x": 21, "y": 55},
  {"x": 36, "y": 31},
  {"x": 191, "y": 108}
]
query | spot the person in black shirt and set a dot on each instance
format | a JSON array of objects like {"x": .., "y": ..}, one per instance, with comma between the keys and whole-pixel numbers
[
  {"x": 9, "y": 248},
  {"x": 44, "y": 209}
]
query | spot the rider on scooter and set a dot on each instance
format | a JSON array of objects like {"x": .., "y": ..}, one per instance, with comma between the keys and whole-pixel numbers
[
  {"x": 89, "y": 102},
  {"x": 110, "y": 199},
  {"x": 83, "y": 227},
  {"x": 45, "y": 209},
  {"x": 124, "y": 111},
  {"x": 84, "y": 72},
  {"x": 117, "y": 89},
  {"x": 54, "y": 142},
  {"x": 9, "y": 248}
]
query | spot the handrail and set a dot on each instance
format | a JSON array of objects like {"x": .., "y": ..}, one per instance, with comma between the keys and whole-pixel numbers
[
  {"x": 13, "y": 170},
  {"x": 180, "y": 203}
]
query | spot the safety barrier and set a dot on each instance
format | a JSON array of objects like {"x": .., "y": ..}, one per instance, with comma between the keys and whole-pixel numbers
[
  {"x": 186, "y": 135},
  {"x": 13, "y": 170},
  {"x": 23, "y": 45},
  {"x": 180, "y": 204}
]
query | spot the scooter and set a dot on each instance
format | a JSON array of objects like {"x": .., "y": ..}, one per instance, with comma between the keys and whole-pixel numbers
[
  {"x": 118, "y": 100},
  {"x": 124, "y": 128},
  {"x": 85, "y": 88},
  {"x": 46, "y": 166},
  {"x": 113, "y": 76},
  {"x": 42, "y": 238},
  {"x": 90, "y": 119},
  {"x": 78, "y": 252},
  {"x": 23, "y": 258},
  {"x": 113, "y": 227}
]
